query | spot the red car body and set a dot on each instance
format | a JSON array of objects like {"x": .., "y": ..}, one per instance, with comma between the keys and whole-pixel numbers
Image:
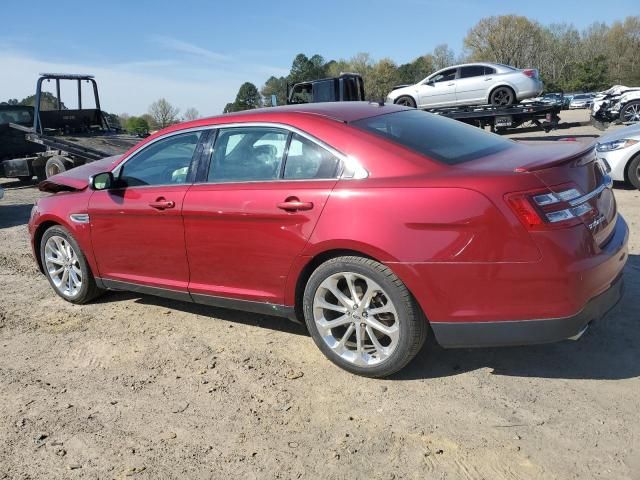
[{"x": 464, "y": 238}]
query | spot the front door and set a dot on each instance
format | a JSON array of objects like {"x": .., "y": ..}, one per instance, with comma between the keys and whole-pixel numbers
[
  {"x": 260, "y": 202},
  {"x": 439, "y": 90},
  {"x": 136, "y": 228}
]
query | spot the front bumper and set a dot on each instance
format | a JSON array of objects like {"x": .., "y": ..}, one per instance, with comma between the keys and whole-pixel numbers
[{"x": 527, "y": 332}]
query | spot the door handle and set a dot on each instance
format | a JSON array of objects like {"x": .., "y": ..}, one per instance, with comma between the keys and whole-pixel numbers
[
  {"x": 451, "y": 84},
  {"x": 162, "y": 204},
  {"x": 487, "y": 79},
  {"x": 292, "y": 204}
]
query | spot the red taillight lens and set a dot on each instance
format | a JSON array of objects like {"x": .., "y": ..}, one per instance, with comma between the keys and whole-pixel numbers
[
  {"x": 549, "y": 208},
  {"x": 531, "y": 73}
]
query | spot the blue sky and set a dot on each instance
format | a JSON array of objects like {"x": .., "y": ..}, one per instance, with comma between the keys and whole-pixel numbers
[{"x": 197, "y": 53}]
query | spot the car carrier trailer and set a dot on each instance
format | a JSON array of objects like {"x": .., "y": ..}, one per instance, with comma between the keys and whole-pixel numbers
[
  {"x": 349, "y": 87},
  {"x": 69, "y": 137}
]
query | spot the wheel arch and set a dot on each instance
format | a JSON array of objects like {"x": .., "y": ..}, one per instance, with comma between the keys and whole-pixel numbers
[{"x": 37, "y": 240}]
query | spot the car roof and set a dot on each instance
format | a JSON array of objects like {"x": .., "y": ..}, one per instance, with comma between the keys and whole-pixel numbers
[{"x": 345, "y": 112}]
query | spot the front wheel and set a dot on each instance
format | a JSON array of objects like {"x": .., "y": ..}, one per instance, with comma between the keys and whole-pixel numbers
[
  {"x": 633, "y": 171},
  {"x": 362, "y": 317},
  {"x": 502, "y": 97},
  {"x": 66, "y": 267}
]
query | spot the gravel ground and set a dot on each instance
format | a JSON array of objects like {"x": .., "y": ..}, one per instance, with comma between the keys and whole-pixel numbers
[{"x": 137, "y": 386}]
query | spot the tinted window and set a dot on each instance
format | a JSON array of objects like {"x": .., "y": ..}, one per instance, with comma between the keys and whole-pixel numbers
[
  {"x": 247, "y": 154},
  {"x": 443, "y": 139},
  {"x": 19, "y": 115},
  {"x": 445, "y": 76},
  {"x": 164, "y": 162},
  {"x": 472, "y": 71},
  {"x": 307, "y": 160},
  {"x": 489, "y": 70},
  {"x": 324, "y": 91}
]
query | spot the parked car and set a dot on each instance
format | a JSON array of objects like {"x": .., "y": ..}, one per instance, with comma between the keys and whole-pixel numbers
[
  {"x": 366, "y": 221},
  {"x": 581, "y": 100},
  {"x": 470, "y": 84},
  {"x": 621, "y": 151}
]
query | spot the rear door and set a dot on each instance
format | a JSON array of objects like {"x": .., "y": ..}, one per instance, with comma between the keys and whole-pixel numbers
[
  {"x": 438, "y": 90},
  {"x": 472, "y": 85},
  {"x": 252, "y": 213}
]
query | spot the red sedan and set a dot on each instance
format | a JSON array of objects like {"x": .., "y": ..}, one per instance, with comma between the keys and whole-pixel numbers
[{"x": 372, "y": 224}]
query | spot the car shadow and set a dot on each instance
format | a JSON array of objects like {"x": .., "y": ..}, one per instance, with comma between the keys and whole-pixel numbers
[
  {"x": 14, "y": 215},
  {"x": 234, "y": 316},
  {"x": 609, "y": 349}
]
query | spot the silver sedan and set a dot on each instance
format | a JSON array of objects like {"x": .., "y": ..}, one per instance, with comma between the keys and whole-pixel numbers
[{"x": 470, "y": 84}]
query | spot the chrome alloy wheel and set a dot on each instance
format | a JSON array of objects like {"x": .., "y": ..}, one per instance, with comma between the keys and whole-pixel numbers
[
  {"x": 356, "y": 318},
  {"x": 632, "y": 113},
  {"x": 63, "y": 266}
]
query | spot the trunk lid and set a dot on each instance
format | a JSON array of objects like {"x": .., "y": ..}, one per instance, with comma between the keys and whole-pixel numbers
[
  {"x": 560, "y": 166},
  {"x": 77, "y": 178}
]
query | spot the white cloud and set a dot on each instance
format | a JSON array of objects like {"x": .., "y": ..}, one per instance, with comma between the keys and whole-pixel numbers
[
  {"x": 132, "y": 86},
  {"x": 182, "y": 47}
]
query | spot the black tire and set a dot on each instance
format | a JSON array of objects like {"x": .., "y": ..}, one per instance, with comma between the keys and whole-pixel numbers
[
  {"x": 633, "y": 171},
  {"x": 25, "y": 179},
  {"x": 406, "y": 100},
  {"x": 630, "y": 113},
  {"x": 502, "y": 97},
  {"x": 88, "y": 290},
  {"x": 412, "y": 323},
  {"x": 57, "y": 165}
]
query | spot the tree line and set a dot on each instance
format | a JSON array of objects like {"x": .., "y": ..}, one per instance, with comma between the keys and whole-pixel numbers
[{"x": 568, "y": 59}]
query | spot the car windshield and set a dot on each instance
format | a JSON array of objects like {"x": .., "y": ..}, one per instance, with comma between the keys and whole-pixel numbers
[
  {"x": 580, "y": 97},
  {"x": 448, "y": 141}
]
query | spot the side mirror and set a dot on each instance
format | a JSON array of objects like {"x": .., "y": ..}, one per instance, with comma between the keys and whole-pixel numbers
[{"x": 102, "y": 181}]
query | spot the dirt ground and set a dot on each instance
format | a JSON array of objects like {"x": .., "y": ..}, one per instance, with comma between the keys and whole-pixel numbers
[{"x": 137, "y": 386}]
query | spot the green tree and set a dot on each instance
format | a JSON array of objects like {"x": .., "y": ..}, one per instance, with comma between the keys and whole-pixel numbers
[
  {"x": 275, "y": 86},
  {"x": 247, "y": 98},
  {"x": 382, "y": 78},
  {"x": 413, "y": 72},
  {"x": 48, "y": 101},
  {"x": 590, "y": 75},
  {"x": 229, "y": 108},
  {"x": 137, "y": 125},
  {"x": 304, "y": 69}
]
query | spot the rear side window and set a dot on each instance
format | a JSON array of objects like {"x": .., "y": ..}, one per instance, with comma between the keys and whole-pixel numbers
[
  {"x": 306, "y": 160},
  {"x": 443, "y": 139},
  {"x": 472, "y": 71},
  {"x": 489, "y": 70},
  {"x": 247, "y": 154}
]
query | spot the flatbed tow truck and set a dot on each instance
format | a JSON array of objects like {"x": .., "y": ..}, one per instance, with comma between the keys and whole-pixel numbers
[
  {"x": 69, "y": 137},
  {"x": 349, "y": 87}
]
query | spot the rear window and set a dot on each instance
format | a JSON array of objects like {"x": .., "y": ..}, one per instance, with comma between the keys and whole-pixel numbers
[
  {"x": 443, "y": 139},
  {"x": 22, "y": 116}
]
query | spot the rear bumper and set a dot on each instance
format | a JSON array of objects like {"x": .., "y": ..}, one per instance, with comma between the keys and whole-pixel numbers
[{"x": 527, "y": 332}]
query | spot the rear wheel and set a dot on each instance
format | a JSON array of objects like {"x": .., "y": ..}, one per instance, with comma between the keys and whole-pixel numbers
[
  {"x": 56, "y": 165},
  {"x": 66, "y": 267},
  {"x": 502, "y": 97},
  {"x": 631, "y": 112},
  {"x": 407, "y": 101},
  {"x": 362, "y": 317},
  {"x": 633, "y": 171}
]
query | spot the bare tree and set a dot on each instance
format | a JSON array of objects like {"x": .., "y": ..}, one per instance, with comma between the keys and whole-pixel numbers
[
  {"x": 163, "y": 113},
  {"x": 443, "y": 56},
  {"x": 191, "y": 114}
]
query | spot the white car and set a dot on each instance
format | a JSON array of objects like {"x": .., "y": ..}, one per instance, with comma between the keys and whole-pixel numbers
[
  {"x": 581, "y": 100},
  {"x": 620, "y": 149},
  {"x": 470, "y": 84},
  {"x": 618, "y": 103}
]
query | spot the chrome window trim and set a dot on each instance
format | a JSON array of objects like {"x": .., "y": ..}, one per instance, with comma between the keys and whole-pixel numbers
[
  {"x": 607, "y": 182},
  {"x": 357, "y": 170}
]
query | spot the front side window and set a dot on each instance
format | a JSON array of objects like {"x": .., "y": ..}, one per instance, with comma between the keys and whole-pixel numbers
[
  {"x": 247, "y": 154},
  {"x": 165, "y": 162},
  {"x": 445, "y": 76},
  {"x": 472, "y": 71},
  {"x": 307, "y": 160},
  {"x": 443, "y": 139}
]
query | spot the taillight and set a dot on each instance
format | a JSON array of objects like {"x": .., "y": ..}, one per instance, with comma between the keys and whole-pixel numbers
[
  {"x": 549, "y": 209},
  {"x": 530, "y": 72}
]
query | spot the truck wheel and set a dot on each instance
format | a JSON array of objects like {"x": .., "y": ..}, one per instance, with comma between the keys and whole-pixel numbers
[
  {"x": 25, "y": 179},
  {"x": 56, "y": 165},
  {"x": 631, "y": 112},
  {"x": 406, "y": 100},
  {"x": 502, "y": 97}
]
